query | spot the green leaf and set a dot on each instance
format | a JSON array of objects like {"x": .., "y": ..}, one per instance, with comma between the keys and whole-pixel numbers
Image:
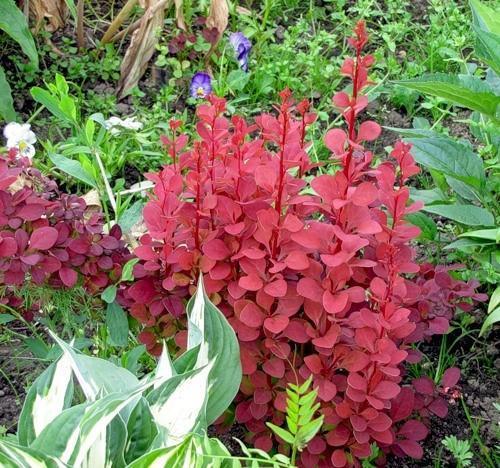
[
  {"x": 470, "y": 215},
  {"x": 6, "y": 103},
  {"x": 494, "y": 300},
  {"x": 218, "y": 342},
  {"x": 450, "y": 158},
  {"x": 13, "y": 22},
  {"x": 109, "y": 294},
  {"x": 280, "y": 432},
  {"x": 6, "y": 318},
  {"x": 307, "y": 432},
  {"x": 488, "y": 234},
  {"x": 237, "y": 80},
  {"x": 72, "y": 168},
  {"x": 428, "y": 196},
  {"x": 488, "y": 48},
  {"x": 97, "y": 375},
  {"x": 426, "y": 224},
  {"x": 141, "y": 431},
  {"x": 49, "y": 395},
  {"x": 117, "y": 324},
  {"x": 466, "y": 244},
  {"x": 485, "y": 17},
  {"x": 37, "y": 346},
  {"x": 131, "y": 216},
  {"x": 15, "y": 456},
  {"x": 44, "y": 97},
  {"x": 128, "y": 268},
  {"x": 492, "y": 318},
  {"x": 464, "y": 90}
]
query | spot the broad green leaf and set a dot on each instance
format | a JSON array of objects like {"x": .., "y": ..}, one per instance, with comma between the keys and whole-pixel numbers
[
  {"x": 492, "y": 318},
  {"x": 72, "y": 168},
  {"x": 450, "y": 158},
  {"x": 488, "y": 234},
  {"x": 464, "y": 90},
  {"x": 15, "y": 456},
  {"x": 44, "y": 97},
  {"x": 470, "y": 215},
  {"x": 494, "y": 300},
  {"x": 413, "y": 132},
  {"x": 6, "y": 318},
  {"x": 488, "y": 48},
  {"x": 117, "y": 324},
  {"x": 462, "y": 189},
  {"x": 427, "y": 225},
  {"x": 220, "y": 345},
  {"x": 466, "y": 245},
  {"x": 6, "y": 103},
  {"x": 237, "y": 80},
  {"x": 13, "y": 22},
  {"x": 485, "y": 17},
  {"x": 428, "y": 196},
  {"x": 48, "y": 396},
  {"x": 37, "y": 346},
  {"x": 109, "y": 294},
  {"x": 141, "y": 431}
]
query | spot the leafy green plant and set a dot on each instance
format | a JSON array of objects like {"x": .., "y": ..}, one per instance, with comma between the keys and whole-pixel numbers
[
  {"x": 301, "y": 405},
  {"x": 13, "y": 22},
  {"x": 121, "y": 419},
  {"x": 472, "y": 178},
  {"x": 460, "y": 449}
]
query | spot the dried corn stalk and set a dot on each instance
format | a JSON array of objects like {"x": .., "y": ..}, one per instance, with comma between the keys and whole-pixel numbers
[
  {"x": 142, "y": 45},
  {"x": 52, "y": 14}
]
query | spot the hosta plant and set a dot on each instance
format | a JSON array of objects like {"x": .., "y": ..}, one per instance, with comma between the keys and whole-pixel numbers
[
  {"x": 117, "y": 420},
  {"x": 316, "y": 274}
]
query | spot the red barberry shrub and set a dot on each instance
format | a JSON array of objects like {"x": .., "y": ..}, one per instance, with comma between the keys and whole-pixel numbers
[
  {"x": 315, "y": 277},
  {"x": 49, "y": 238}
]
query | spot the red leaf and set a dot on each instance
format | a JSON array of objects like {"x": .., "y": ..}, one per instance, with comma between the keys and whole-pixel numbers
[
  {"x": 252, "y": 315},
  {"x": 8, "y": 247},
  {"x": 216, "y": 249},
  {"x": 276, "y": 324},
  {"x": 31, "y": 212},
  {"x": 274, "y": 367},
  {"x": 310, "y": 289},
  {"x": 250, "y": 283},
  {"x": 68, "y": 276},
  {"x": 386, "y": 390},
  {"x": 335, "y": 303},
  {"x": 43, "y": 238},
  {"x": 297, "y": 260},
  {"x": 411, "y": 448},
  {"x": 451, "y": 377},
  {"x": 335, "y": 140},
  {"x": 276, "y": 288},
  {"x": 369, "y": 131},
  {"x": 414, "y": 430},
  {"x": 355, "y": 361}
]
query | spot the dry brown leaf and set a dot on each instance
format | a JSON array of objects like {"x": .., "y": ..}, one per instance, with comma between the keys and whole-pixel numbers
[
  {"x": 179, "y": 15},
  {"x": 50, "y": 13},
  {"x": 142, "y": 46},
  {"x": 218, "y": 16}
]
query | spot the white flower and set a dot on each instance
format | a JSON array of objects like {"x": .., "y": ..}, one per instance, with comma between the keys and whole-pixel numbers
[
  {"x": 114, "y": 124},
  {"x": 21, "y": 137}
]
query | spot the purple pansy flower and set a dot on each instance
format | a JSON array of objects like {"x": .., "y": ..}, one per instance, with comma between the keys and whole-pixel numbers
[
  {"x": 201, "y": 85},
  {"x": 242, "y": 47}
]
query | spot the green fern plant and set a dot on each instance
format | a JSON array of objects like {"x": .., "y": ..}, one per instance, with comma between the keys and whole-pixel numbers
[
  {"x": 301, "y": 406},
  {"x": 460, "y": 449}
]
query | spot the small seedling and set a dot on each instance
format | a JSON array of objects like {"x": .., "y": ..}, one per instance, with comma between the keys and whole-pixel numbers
[{"x": 460, "y": 449}]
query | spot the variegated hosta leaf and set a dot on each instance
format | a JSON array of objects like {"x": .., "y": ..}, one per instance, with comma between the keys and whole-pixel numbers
[
  {"x": 97, "y": 375},
  {"x": 15, "y": 456},
  {"x": 178, "y": 405},
  {"x": 141, "y": 430},
  {"x": 164, "y": 369},
  {"x": 209, "y": 329},
  {"x": 194, "y": 452},
  {"x": 49, "y": 395}
]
